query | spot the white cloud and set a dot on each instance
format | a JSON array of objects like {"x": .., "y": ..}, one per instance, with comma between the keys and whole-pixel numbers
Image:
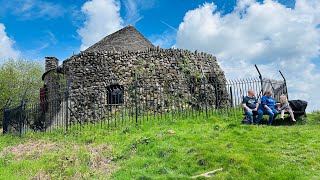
[
  {"x": 267, "y": 34},
  {"x": 33, "y": 9},
  {"x": 6, "y": 46},
  {"x": 132, "y": 11},
  {"x": 133, "y": 8},
  {"x": 102, "y": 18}
]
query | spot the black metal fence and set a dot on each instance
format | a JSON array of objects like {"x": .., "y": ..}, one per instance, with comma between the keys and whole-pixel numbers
[{"x": 135, "y": 104}]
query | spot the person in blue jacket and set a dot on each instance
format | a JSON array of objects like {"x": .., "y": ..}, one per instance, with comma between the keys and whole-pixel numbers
[{"x": 268, "y": 107}]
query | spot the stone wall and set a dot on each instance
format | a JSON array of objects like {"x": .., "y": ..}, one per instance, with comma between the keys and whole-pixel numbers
[
  {"x": 55, "y": 90},
  {"x": 100, "y": 69},
  {"x": 161, "y": 73},
  {"x": 161, "y": 79},
  {"x": 51, "y": 63}
]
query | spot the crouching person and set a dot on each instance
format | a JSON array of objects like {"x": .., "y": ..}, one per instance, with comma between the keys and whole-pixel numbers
[
  {"x": 250, "y": 105},
  {"x": 268, "y": 107}
]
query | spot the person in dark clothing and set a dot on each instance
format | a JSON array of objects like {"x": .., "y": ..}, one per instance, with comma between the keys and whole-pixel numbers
[{"x": 250, "y": 105}]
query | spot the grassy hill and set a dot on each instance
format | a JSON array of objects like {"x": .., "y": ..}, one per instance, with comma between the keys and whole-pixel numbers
[{"x": 148, "y": 151}]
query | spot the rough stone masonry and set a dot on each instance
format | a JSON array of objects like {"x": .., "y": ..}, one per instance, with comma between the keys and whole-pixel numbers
[{"x": 126, "y": 60}]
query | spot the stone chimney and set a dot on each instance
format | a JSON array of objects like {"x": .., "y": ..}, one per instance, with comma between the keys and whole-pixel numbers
[{"x": 51, "y": 63}]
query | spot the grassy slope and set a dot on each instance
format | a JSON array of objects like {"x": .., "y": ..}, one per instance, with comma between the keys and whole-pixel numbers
[{"x": 149, "y": 152}]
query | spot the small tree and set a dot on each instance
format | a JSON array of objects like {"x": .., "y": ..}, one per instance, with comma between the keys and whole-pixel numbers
[{"x": 18, "y": 77}]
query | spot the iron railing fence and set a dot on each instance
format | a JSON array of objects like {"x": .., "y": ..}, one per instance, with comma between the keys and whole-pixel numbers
[{"x": 136, "y": 103}]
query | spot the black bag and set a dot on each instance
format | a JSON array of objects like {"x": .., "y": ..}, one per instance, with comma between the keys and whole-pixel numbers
[
  {"x": 245, "y": 120},
  {"x": 298, "y": 105}
]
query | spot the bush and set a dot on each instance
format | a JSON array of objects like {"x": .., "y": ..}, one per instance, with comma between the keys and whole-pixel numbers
[{"x": 19, "y": 77}]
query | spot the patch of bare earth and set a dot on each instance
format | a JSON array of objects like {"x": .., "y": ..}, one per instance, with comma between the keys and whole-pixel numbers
[
  {"x": 101, "y": 159},
  {"x": 41, "y": 175},
  {"x": 30, "y": 149}
]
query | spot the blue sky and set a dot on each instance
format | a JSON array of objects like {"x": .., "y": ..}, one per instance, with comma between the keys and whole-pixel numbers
[
  {"x": 275, "y": 34},
  {"x": 37, "y": 35}
]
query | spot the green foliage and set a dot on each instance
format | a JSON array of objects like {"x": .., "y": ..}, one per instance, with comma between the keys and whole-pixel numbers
[
  {"x": 189, "y": 70},
  {"x": 18, "y": 77},
  {"x": 140, "y": 66},
  {"x": 148, "y": 151}
]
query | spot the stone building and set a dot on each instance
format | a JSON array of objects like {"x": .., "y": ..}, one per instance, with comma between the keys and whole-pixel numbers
[{"x": 111, "y": 71}]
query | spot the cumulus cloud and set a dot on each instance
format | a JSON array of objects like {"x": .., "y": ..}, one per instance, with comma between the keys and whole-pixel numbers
[
  {"x": 6, "y": 46},
  {"x": 102, "y": 18},
  {"x": 267, "y": 34}
]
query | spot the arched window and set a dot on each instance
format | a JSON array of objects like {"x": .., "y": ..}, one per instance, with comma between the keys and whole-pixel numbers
[{"x": 115, "y": 94}]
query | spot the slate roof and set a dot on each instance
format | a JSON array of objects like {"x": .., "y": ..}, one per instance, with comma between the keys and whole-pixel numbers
[{"x": 126, "y": 39}]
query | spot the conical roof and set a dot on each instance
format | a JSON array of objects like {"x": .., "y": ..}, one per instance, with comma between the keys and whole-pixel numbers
[{"x": 126, "y": 39}]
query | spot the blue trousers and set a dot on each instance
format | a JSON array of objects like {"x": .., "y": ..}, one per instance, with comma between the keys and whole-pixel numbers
[
  {"x": 251, "y": 115},
  {"x": 272, "y": 115}
]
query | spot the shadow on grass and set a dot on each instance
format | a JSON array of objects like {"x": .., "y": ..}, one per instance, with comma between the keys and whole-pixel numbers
[
  {"x": 301, "y": 120},
  {"x": 286, "y": 121}
]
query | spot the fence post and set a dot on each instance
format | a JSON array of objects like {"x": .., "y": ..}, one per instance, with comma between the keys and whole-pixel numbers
[
  {"x": 216, "y": 94},
  {"x": 5, "y": 120},
  {"x": 205, "y": 91},
  {"x": 205, "y": 96},
  {"x": 261, "y": 80},
  {"x": 67, "y": 104},
  {"x": 231, "y": 97},
  {"x": 285, "y": 83},
  {"x": 135, "y": 95},
  {"x": 20, "y": 120}
]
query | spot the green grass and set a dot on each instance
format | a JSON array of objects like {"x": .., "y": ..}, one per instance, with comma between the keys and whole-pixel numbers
[{"x": 148, "y": 152}]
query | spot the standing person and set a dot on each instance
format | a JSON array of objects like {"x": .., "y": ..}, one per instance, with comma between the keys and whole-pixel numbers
[
  {"x": 285, "y": 107},
  {"x": 250, "y": 105},
  {"x": 268, "y": 107}
]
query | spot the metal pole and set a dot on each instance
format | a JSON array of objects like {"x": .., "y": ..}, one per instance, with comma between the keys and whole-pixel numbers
[
  {"x": 273, "y": 94},
  {"x": 20, "y": 120},
  {"x": 205, "y": 91},
  {"x": 260, "y": 77},
  {"x": 5, "y": 120},
  {"x": 285, "y": 83},
  {"x": 231, "y": 97},
  {"x": 205, "y": 97},
  {"x": 67, "y": 104},
  {"x": 135, "y": 96}
]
